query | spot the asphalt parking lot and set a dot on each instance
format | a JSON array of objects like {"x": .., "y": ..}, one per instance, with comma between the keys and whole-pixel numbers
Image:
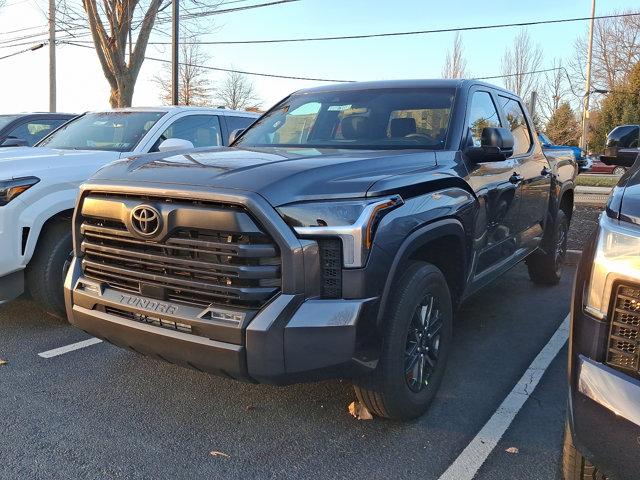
[{"x": 102, "y": 412}]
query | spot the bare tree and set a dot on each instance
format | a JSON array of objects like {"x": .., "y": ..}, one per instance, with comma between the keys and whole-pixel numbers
[
  {"x": 455, "y": 65},
  {"x": 616, "y": 49},
  {"x": 518, "y": 63},
  {"x": 237, "y": 92},
  {"x": 553, "y": 90},
  {"x": 195, "y": 87}
]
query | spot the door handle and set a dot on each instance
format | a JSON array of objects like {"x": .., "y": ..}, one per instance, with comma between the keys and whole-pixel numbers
[
  {"x": 516, "y": 178},
  {"x": 545, "y": 172}
]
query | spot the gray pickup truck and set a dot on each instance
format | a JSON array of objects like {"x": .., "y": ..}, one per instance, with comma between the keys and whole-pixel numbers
[{"x": 335, "y": 237}]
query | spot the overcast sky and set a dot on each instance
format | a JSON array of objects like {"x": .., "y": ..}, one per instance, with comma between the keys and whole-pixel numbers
[{"x": 81, "y": 85}]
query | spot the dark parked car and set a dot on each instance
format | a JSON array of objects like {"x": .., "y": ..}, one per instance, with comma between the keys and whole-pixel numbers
[
  {"x": 335, "y": 238},
  {"x": 622, "y": 148},
  {"x": 602, "y": 438},
  {"x": 27, "y": 129},
  {"x": 579, "y": 154}
]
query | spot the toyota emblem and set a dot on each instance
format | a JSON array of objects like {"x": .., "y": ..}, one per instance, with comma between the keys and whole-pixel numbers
[{"x": 145, "y": 220}]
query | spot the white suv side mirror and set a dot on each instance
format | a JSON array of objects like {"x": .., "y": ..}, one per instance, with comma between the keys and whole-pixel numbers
[{"x": 175, "y": 144}]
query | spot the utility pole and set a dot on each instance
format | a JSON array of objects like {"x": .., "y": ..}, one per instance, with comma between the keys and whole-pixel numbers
[
  {"x": 532, "y": 103},
  {"x": 175, "y": 67},
  {"x": 587, "y": 89},
  {"x": 52, "y": 55}
]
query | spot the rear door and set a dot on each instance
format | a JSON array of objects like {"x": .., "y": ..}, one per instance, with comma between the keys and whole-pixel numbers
[{"x": 532, "y": 169}]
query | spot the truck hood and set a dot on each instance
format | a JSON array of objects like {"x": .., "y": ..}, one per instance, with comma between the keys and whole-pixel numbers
[
  {"x": 281, "y": 175},
  {"x": 21, "y": 161}
]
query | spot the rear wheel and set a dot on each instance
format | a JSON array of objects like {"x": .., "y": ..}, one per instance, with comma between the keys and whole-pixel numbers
[
  {"x": 46, "y": 271},
  {"x": 416, "y": 345},
  {"x": 619, "y": 171},
  {"x": 574, "y": 465},
  {"x": 545, "y": 267}
]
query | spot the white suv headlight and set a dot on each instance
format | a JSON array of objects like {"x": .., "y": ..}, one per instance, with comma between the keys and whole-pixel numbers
[
  {"x": 10, "y": 189},
  {"x": 617, "y": 257}
]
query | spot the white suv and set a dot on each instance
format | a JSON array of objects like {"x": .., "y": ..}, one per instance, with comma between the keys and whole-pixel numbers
[{"x": 38, "y": 185}]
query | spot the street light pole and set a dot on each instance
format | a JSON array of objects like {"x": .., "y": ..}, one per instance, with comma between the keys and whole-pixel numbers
[
  {"x": 587, "y": 89},
  {"x": 52, "y": 55},
  {"x": 175, "y": 67}
]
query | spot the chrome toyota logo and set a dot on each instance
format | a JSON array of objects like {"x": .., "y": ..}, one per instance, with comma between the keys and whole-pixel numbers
[{"x": 145, "y": 220}]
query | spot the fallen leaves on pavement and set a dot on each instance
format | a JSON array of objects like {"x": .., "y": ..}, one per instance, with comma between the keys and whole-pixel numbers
[
  {"x": 216, "y": 453},
  {"x": 512, "y": 450},
  {"x": 3, "y": 362},
  {"x": 359, "y": 411}
]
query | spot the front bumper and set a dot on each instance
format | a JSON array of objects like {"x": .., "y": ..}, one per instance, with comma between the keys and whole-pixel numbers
[
  {"x": 604, "y": 415},
  {"x": 11, "y": 286},
  {"x": 289, "y": 340}
]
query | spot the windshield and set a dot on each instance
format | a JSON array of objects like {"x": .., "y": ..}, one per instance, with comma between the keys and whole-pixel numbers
[
  {"x": 113, "y": 131},
  {"x": 7, "y": 119},
  {"x": 415, "y": 118}
]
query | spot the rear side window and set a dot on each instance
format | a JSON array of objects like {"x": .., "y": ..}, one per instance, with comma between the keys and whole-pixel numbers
[
  {"x": 518, "y": 124},
  {"x": 483, "y": 115},
  {"x": 235, "y": 123},
  {"x": 35, "y": 130},
  {"x": 201, "y": 130}
]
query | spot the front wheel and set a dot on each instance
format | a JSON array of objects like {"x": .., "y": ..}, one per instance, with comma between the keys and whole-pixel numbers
[
  {"x": 619, "y": 171},
  {"x": 45, "y": 273},
  {"x": 545, "y": 267},
  {"x": 416, "y": 344}
]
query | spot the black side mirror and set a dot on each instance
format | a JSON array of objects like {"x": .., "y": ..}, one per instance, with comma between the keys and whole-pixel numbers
[
  {"x": 623, "y": 157},
  {"x": 496, "y": 145},
  {"x": 15, "y": 142},
  {"x": 235, "y": 134}
]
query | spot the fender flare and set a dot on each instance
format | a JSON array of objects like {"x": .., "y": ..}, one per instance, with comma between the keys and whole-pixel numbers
[{"x": 416, "y": 240}]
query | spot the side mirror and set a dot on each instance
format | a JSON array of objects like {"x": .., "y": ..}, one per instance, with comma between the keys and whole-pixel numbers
[
  {"x": 15, "y": 142},
  {"x": 496, "y": 145},
  {"x": 235, "y": 134},
  {"x": 175, "y": 144},
  {"x": 623, "y": 157}
]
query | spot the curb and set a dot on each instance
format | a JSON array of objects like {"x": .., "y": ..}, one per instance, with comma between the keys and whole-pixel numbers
[{"x": 572, "y": 257}]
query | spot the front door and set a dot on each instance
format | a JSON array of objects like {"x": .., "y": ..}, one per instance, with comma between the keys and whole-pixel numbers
[{"x": 498, "y": 190}]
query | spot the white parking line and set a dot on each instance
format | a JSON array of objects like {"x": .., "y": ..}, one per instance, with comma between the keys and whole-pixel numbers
[
  {"x": 471, "y": 459},
  {"x": 69, "y": 348}
]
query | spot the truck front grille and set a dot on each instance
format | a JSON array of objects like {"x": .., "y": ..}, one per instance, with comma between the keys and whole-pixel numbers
[
  {"x": 189, "y": 265},
  {"x": 623, "y": 351}
]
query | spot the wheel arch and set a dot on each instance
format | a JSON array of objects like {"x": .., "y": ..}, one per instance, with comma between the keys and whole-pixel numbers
[{"x": 427, "y": 244}]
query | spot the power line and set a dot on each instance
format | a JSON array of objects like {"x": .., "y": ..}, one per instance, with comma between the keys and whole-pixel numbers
[
  {"x": 35, "y": 47},
  {"x": 229, "y": 70},
  {"x": 398, "y": 34}
]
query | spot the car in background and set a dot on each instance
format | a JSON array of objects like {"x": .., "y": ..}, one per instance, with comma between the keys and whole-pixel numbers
[
  {"x": 602, "y": 168},
  {"x": 578, "y": 153},
  {"x": 622, "y": 148},
  {"x": 27, "y": 129},
  {"x": 38, "y": 185},
  {"x": 603, "y": 420}
]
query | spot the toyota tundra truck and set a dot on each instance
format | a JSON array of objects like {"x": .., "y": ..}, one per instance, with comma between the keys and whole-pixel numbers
[{"x": 335, "y": 237}]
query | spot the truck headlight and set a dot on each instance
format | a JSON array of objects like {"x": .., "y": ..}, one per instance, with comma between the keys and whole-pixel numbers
[
  {"x": 353, "y": 221},
  {"x": 617, "y": 257},
  {"x": 10, "y": 189}
]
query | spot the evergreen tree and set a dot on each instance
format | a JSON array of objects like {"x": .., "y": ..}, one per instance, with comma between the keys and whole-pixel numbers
[{"x": 563, "y": 127}]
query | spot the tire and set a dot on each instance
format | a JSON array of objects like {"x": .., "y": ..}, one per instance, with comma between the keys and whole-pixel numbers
[
  {"x": 45, "y": 273},
  {"x": 421, "y": 305},
  {"x": 619, "y": 171},
  {"x": 574, "y": 465},
  {"x": 545, "y": 266}
]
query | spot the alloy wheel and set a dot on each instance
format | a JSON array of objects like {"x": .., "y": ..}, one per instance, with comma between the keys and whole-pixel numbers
[{"x": 423, "y": 344}]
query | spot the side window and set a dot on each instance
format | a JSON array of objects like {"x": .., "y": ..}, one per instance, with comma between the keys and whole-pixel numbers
[
  {"x": 35, "y": 130},
  {"x": 483, "y": 114},
  {"x": 235, "y": 123},
  {"x": 201, "y": 130},
  {"x": 518, "y": 125}
]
